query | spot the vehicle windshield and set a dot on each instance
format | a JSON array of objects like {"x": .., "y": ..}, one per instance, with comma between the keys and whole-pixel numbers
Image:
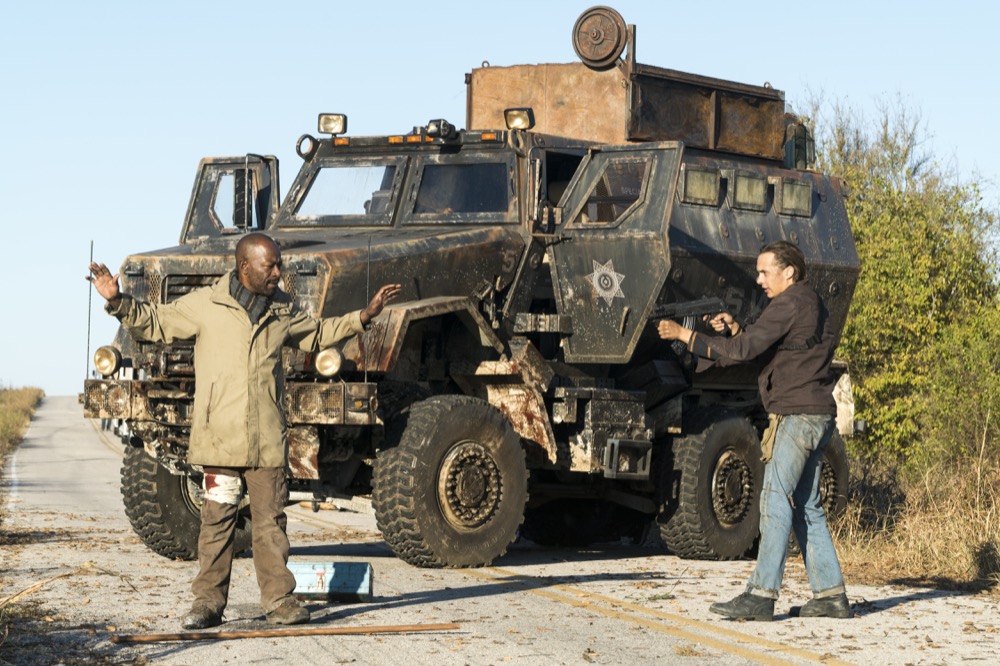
[{"x": 348, "y": 190}]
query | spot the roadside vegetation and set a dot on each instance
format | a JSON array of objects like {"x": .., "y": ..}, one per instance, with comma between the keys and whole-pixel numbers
[
  {"x": 923, "y": 345},
  {"x": 16, "y": 408}
]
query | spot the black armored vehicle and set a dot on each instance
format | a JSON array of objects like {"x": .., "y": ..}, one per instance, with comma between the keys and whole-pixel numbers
[{"x": 517, "y": 384}]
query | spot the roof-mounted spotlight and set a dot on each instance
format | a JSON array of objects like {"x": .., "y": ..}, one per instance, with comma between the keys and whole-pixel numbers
[
  {"x": 520, "y": 119},
  {"x": 332, "y": 123},
  {"x": 441, "y": 129}
]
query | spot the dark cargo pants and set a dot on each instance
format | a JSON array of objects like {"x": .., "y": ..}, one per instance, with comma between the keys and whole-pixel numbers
[{"x": 267, "y": 488}]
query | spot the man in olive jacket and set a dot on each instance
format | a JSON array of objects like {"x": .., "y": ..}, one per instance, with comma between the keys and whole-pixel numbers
[{"x": 238, "y": 434}]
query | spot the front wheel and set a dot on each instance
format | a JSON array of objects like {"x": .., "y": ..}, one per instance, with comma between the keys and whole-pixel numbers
[
  {"x": 165, "y": 508},
  {"x": 452, "y": 492}
]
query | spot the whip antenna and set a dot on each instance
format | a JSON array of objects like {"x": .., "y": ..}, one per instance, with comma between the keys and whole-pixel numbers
[
  {"x": 90, "y": 301},
  {"x": 368, "y": 292}
]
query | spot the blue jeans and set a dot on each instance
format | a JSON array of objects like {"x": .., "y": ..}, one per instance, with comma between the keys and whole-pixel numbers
[{"x": 790, "y": 500}]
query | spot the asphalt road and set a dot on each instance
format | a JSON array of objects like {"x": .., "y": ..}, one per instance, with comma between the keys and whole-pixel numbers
[{"x": 617, "y": 604}]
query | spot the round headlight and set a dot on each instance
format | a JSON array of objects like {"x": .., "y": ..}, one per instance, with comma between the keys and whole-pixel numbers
[
  {"x": 329, "y": 362},
  {"x": 107, "y": 360}
]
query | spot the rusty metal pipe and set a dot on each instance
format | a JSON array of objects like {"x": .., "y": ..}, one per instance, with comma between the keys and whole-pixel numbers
[{"x": 279, "y": 633}]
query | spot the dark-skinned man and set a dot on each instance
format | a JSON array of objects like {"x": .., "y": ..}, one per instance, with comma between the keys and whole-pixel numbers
[{"x": 239, "y": 326}]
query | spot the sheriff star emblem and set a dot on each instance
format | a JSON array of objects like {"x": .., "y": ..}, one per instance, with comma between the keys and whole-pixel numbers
[{"x": 606, "y": 281}]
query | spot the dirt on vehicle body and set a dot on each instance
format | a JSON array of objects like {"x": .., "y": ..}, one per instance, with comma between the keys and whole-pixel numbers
[{"x": 518, "y": 383}]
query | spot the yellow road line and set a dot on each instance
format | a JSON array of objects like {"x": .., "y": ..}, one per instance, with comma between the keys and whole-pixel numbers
[{"x": 723, "y": 639}]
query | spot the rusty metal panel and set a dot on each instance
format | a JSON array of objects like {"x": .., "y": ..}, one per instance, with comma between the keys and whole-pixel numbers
[
  {"x": 524, "y": 407},
  {"x": 637, "y": 103},
  {"x": 378, "y": 348},
  {"x": 569, "y": 100},
  {"x": 707, "y": 113},
  {"x": 303, "y": 452},
  {"x": 751, "y": 126}
]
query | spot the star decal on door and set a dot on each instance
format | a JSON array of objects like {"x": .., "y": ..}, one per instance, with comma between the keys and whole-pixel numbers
[{"x": 606, "y": 281}]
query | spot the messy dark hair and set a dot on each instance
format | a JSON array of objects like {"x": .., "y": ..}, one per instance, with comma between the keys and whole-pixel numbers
[{"x": 788, "y": 254}]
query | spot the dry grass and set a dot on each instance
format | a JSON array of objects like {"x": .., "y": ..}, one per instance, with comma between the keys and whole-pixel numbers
[
  {"x": 941, "y": 528},
  {"x": 16, "y": 408}
]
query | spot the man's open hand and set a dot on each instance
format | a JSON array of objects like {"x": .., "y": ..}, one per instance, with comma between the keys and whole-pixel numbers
[
  {"x": 386, "y": 294},
  {"x": 104, "y": 282}
]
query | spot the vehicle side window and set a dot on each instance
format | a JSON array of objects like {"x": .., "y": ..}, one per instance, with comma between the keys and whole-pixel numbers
[
  {"x": 229, "y": 199},
  {"x": 614, "y": 192},
  {"x": 462, "y": 188},
  {"x": 235, "y": 203}
]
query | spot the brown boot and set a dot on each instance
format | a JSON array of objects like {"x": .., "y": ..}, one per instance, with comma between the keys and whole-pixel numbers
[
  {"x": 288, "y": 612},
  {"x": 201, "y": 617}
]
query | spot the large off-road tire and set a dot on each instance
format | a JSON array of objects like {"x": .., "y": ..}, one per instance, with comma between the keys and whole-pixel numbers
[
  {"x": 165, "y": 509},
  {"x": 578, "y": 522},
  {"x": 451, "y": 493},
  {"x": 717, "y": 476}
]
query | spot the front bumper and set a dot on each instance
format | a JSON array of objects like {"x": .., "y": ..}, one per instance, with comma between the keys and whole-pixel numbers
[{"x": 327, "y": 403}]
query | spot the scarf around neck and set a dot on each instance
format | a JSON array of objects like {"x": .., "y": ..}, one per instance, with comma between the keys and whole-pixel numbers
[{"x": 255, "y": 304}]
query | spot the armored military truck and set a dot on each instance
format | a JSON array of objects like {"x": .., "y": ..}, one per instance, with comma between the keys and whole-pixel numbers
[{"x": 517, "y": 385}]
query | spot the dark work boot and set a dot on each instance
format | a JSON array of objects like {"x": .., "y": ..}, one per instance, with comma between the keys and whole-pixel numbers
[
  {"x": 834, "y": 606},
  {"x": 746, "y": 607},
  {"x": 201, "y": 617}
]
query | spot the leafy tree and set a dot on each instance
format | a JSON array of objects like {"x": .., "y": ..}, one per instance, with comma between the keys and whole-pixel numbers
[{"x": 927, "y": 277}]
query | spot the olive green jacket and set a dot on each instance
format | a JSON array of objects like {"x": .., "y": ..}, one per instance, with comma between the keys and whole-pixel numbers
[{"x": 239, "y": 403}]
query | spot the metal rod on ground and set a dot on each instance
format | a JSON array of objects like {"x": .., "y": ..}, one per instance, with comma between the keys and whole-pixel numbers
[{"x": 279, "y": 633}]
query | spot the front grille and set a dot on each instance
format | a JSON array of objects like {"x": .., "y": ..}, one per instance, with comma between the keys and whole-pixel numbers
[
  {"x": 107, "y": 399},
  {"x": 330, "y": 403},
  {"x": 175, "y": 286}
]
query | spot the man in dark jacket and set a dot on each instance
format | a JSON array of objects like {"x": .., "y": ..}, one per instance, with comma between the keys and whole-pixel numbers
[
  {"x": 238, "y": 432},
  {"x": 792, "y": 337}
]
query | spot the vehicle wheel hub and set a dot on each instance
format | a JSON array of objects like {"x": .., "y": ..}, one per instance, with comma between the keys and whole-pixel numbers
[
  {"x": 732, "y": 489},
  {"x": 469, "y": 485}
]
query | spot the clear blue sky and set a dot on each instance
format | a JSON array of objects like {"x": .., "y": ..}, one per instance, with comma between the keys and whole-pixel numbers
[{"x": 106, "y": 107}]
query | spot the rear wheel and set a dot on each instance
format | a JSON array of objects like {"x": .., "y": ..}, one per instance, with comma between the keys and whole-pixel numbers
[
  {"x": 451, "y": 493},
  {"x": 165, "y": 508},
  {"x": 717, "y": 475},
  {"x": 834, "y": 476}
]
